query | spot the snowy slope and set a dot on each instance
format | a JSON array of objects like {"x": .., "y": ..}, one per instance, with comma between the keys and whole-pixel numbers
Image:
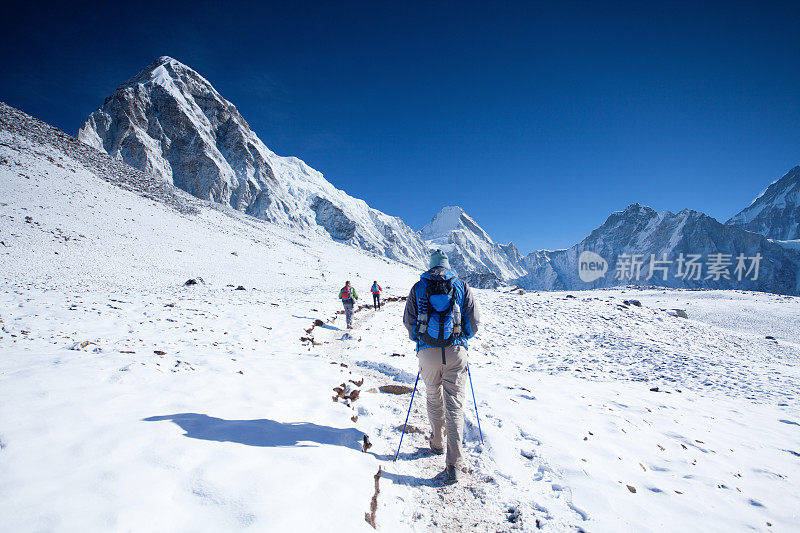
[
  {"x": 642, "y": 232},
  {"x": 170, "y": 122},
  {"x": 471, "y": 250},
  {"x": 776, "y": 211},
  {"x": 200, "y": 408},
  {"x": 83, "y": 259}
]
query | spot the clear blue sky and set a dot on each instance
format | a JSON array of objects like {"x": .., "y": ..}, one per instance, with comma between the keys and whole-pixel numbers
[{"x": 538, "y": 119}]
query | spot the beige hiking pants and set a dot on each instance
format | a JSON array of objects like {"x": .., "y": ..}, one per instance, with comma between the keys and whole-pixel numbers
[{"x": 445, "y": 384}]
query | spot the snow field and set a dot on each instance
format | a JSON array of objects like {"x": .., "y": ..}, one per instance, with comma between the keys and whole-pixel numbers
[{"x": 200, "y": 409}]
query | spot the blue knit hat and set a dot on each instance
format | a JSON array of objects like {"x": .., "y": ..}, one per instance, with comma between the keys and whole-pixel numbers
[{"x": 439, "y": 259}]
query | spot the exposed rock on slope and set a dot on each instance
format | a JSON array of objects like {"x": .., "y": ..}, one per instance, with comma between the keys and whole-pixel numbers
[
  {"x": 111, "y": 170},
  {"x": 170, "y": 122}
]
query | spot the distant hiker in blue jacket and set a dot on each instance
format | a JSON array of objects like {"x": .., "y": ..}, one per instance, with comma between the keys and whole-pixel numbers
[
  {"x": 440, "y": 315},
  {"x": 376, "y": 295}
]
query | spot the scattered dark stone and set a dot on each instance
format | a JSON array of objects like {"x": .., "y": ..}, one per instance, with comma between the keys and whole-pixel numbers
[
  {"x": 631, "y": 488},
  {"x": 367, "y": 444},
  {"x": 570, "y": 296},
  {"x": 514, "y": 515},
  {"x": 240, "y": 288},
  {"x": 680, "y": 313},
  {"x": 318, "y": 322},
  {"x": 234, "y": 253},
  {"x": 194, "y": 281},
  {"x": 28, "y": 219},
  {"x": 240, "y": 372},
  {"x": 409, "y": 429},
  {"x": 397, "y": 355},
  {"x": 637, "y": 303},
  {"x": 654, "y": 389},
  {"x": 159, "y": 352},
  {"x": 770, "y": 337},
  {"x": 395, "y": 389}
]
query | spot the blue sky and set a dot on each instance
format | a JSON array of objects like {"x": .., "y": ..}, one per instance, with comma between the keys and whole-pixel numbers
[{"x": 538, "y": 119}]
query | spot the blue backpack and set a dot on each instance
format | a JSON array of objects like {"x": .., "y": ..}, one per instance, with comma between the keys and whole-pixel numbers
[{"x": 438, "y": 313}]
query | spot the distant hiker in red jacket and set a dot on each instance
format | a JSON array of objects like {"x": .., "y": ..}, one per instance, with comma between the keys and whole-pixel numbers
[
  {"x": 376, "y": 295},
  {"x": 348, "y": 296}
]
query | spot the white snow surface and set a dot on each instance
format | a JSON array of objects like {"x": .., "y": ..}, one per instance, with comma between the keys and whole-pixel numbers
[{"x": 199, "y": 408}]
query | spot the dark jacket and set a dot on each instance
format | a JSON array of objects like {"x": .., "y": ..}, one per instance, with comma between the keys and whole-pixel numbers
[{"x": 469, "y": 310}]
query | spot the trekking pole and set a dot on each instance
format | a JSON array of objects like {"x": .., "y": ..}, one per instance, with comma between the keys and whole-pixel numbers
[
  {"x": 476, "y": 403},
  {"x": 407, "y": 415}
]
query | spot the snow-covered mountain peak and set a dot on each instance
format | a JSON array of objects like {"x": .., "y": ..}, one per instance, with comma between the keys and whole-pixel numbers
[
  {"x": 472, "y": 250},
  {"x": 775, "y": 213},
  {"x": 449, "y": 219},
  {"x": 170, "y": 122},
  {"x": 658, "y": 240}
]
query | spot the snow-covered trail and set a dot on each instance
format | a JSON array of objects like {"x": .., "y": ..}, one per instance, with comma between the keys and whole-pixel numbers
[
  {"x": 411, "y": 492},
  {"x": 598, "y": 416}
]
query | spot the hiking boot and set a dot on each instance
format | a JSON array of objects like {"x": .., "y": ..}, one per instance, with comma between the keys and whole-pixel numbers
[
  {"x": 451, "y": 474},
  {"x": 435, "y": 449}
]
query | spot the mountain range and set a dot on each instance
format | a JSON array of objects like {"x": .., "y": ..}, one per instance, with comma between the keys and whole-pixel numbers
[{"x": 169, "y": 122}]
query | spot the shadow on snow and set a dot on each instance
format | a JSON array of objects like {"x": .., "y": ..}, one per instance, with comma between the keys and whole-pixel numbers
[
  {"x": 323, "y": 326},
  {"x": 268, "y": 433}
]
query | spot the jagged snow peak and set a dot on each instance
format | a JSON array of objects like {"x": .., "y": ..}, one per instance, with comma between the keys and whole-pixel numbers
[
  {"x": 472, "y": 251},
  {"x": 169, "y": 121},
  {"x": 776, "y": 211},
  {"x": 630, "y": 240}
]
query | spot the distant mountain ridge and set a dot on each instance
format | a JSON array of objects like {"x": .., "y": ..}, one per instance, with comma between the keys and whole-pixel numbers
[
  {"x": 687, "y": 249},
  {"x": 776, "y": 212},
  {"x": 740, "y": 253},
  {"x": 170, "y": 122}
]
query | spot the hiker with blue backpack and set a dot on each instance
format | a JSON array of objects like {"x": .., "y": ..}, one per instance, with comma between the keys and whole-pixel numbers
[
  {"x": 376, "y": 295},
  {"x": 440, "y": 315},
  {"x": 348, "y": 296}
]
